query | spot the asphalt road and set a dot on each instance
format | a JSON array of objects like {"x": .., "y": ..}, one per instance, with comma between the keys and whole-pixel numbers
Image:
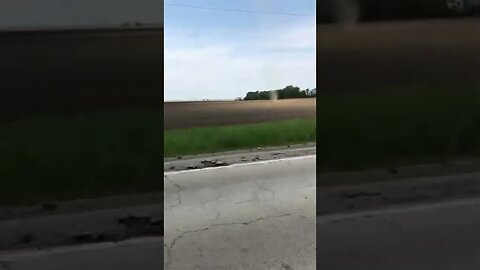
[
  {"x": 442, "y": 236},
  {"x": 246, "y": 216},
  {"x": 145, "y": 254}
]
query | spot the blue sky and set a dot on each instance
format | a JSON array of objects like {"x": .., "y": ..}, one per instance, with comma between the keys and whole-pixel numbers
[{"x": 216, "y": 54}]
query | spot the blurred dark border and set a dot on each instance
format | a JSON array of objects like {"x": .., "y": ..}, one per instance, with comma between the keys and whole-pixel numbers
[{"x": 75, "y": 70}]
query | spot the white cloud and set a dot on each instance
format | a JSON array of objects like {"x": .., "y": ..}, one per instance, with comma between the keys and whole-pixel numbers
[
  {"x": 197, "y": 54},
  {"x": 299, "y": 36},
  {"x": 216, "y": 69}
]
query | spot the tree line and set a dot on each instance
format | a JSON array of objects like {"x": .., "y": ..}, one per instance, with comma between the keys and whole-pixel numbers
[{"x": 288, "y": 92}]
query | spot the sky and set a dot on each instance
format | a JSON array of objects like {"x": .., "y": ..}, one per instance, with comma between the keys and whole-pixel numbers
[
  {"x": 78, "y": 13},
  {"x": 219, "y": 54}
]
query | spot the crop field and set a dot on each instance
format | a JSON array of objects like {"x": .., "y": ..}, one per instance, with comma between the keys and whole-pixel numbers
[
  {"x": 379, "y": 55},
  {"x": 196, "y": 114},
  {"x": 216, "y": 126},
  {"x": 69, "y": 72}
]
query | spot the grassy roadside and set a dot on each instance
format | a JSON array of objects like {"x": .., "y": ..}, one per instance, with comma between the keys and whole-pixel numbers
[
  {"x": 56, "y": 158},
  {"x": 398, "y": 127},
  {"x": 225, "y": 138}
]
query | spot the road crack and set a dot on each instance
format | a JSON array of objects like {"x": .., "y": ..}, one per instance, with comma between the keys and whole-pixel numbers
[
  {"x": 179, "y": 189},
  {"x": 265, "y": 189},
  {"x": 246, "y": 223}
]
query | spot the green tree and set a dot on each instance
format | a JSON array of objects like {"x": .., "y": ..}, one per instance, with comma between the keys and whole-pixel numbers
[
  {"x": 289, "y": 91},
  {"x": 252, "y": 96}
]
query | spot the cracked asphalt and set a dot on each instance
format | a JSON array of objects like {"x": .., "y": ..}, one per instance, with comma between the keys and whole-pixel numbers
[
  {"x": 246, "y": 223},
  {"x": 218, "y": 222},
  {"x": 440, "y": 236}
]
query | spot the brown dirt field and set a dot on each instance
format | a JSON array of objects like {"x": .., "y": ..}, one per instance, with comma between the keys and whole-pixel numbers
[
  {"x": 72, "y": 71},
  {"x": 382, "y": 54},
  {"x": 209, "y": 113}
]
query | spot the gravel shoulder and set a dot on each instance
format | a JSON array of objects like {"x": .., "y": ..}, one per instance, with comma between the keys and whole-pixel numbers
[
  {"x": 377, "y": 189},
  {"x": 235, "y": 157},
  {"x": 81, "y": 221}
]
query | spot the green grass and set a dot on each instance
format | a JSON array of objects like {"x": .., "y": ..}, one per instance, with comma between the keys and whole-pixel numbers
[
  {"x": 57, "y": 158},
  {"x": 398, "y": 127},
  {"x": 217, "y": 139}
]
